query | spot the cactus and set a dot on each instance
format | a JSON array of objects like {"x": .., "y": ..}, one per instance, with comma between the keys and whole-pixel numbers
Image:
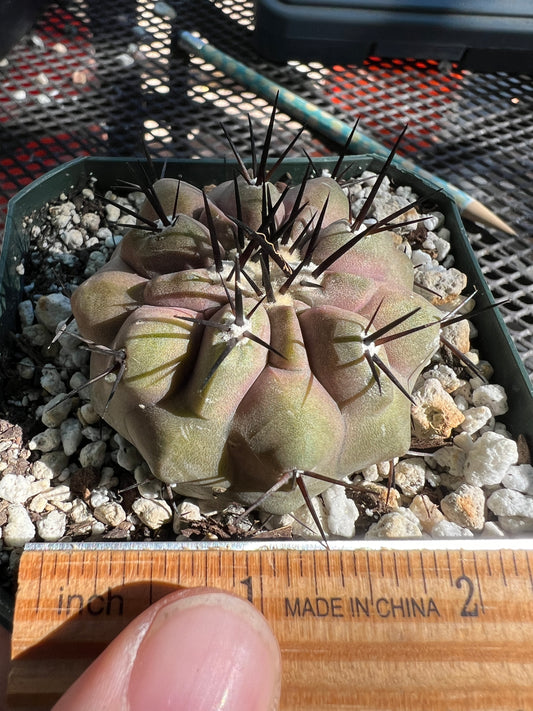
[{"x": 255, "y": 330}]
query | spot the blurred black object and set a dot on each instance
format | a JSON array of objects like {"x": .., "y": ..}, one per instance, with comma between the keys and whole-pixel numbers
[
  {"x": 16, "y": 18},
  {"x": 480, "y": 35}
]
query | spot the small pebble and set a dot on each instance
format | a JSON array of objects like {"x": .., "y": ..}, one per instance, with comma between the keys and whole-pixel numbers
[
  {"x": 507, "y": 502},
  {"x": 15, "y": 489},
  {"x": 410, "y": 475},
  {"x": 26, "y": 313},
  {"x": 71, "y": 436},
  {"x": 93, "y": 454},
  {"x": 26, "y": 368},
  {"x": 435, "y": 413},
  {"x": 52, "y": 526},
  {"x": 475, "y": 419},
  {"x": 465, "y": 507},
  {"x": 45, "y": 441},
  {"x": 56, "y": 410},
  {"x": 111, "y": 513},
  {"x": 74, "y": 238},
  {"x": 449, "y": 529},
  {"x": 51, "y": 310},
  {"x": 427, "y": 513},
  {"x": 489, "y": 459},
  {"x": 341, "y": 511},
  {"x": 395, "y": 525},
  {"x": 19, "y": 528},
  {"x": 50, "y": 465},
  {"x": 91, "y": 222},
  {"x": 493, "y": 397},
  {"x": 153, "y": 513},
  {"x": 520, "y": 478},
  {"x": 51, "y": 380}
]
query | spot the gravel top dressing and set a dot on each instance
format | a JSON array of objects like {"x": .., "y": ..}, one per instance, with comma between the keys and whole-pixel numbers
[{"x": 66, "y": 475}]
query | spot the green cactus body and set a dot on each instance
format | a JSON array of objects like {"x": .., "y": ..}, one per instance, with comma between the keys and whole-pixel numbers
[{"x": 225, "y": 389}]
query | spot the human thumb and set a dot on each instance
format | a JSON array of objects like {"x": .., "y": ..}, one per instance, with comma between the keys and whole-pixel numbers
[{"x": 194, "y": 650}]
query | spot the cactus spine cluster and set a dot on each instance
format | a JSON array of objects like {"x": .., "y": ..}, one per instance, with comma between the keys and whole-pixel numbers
[{"x": 253, "y": 330}]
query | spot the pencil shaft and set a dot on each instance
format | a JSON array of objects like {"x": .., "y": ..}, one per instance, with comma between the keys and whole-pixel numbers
[{"x": 316, "y": 118}]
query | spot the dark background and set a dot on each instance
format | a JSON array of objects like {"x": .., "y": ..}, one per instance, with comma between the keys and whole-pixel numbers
[{"x": 98, "y": 78}]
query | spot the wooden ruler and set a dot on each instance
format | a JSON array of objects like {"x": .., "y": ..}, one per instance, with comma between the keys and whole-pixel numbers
[{"x": 402, "y": 627}]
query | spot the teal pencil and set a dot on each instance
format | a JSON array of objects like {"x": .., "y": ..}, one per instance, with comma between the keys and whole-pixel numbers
[{"x": 328, "y": 125}]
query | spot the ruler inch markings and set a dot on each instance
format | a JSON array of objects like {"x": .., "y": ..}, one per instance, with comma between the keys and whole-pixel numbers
[
  {"x": 423, "y": 572},
  {"x": 378, "y": 614}
]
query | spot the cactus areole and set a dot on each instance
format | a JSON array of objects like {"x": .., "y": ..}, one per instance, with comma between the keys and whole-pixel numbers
[{"x": 253, "y": 330}]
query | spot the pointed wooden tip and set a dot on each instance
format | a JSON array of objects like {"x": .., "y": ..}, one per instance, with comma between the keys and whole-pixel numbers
[{"x": 477, "y": 212}]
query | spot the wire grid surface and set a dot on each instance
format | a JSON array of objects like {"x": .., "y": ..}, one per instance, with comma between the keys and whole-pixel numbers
[{"x": 97, "y": 78}]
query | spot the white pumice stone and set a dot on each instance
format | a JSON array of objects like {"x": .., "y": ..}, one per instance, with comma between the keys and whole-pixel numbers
[
  {"x": 112, "y": 213},
  {"x": 37, "y": 334},
  {"x": 96, "y": 260},
  {"x": 186, "y": 512},
  {"x": 493, "y": 396},
  {"x": 395, "y": 525},
  {"x": 520, "y": 478},
  {"x": 97, "y": 529},
  {"x": 435, "y": 413},
  {"x": 26, "y": 368},
  {"x": 38, "y": 503},
  {"x": 99, "y": 497},
  {"x": 46, "y": 441},
  {"x": 112, "y": 240},
  {"x": 110, "y": 513},
  {"x": 371, "y": 473},
  {"x": 14, "y": 488},
  {"x": 446, "y": 376},
  {"x": 419, "y": 258},
  {"x": 92, "y": 434},
  {"x": 303, "y": 525},
  {"x": 19, "y": 528},
  {"x": 128, "y": 457},
  {"x": 58, "y": 493},
  {"x": 475, "y": 419},
  {"x": 51, "y": 380},
  {"x": 91, "y": 222},
  {"x": 56, "y": 410},
  {"x": 154, "y": 513},
  {"x": 50, "y": 465},
  {"x": 71, "y": 435},
  {"x": 93, "y": 454},
  {"x": 449, "y": 529},
  {"x": 449, "y": 459},
  {"x": 342, "y": 512},
  {"x": 80, "y": 512},
  {"x": 489, "y": 459},
  {"x": 51, "y": 310},
  {"x": 508, "y": 502},
  {"x": 148, "y": 486},
  {"x": 410, "y": 475},
  {"x": 87, "y": 415},
  {"x": 74, "y": 238},
  {"x": 26, "y": 312},
  {"x": 427, "y": 512},
  {"x": 448, "y": 283},
  {"x": 492, "y": 530},
  {"x": 464, "y": 441},
  {"x": 108, "y": 478},
  {"x": 52, "y": 526},
  {"x": 465, "y": 506},
  {"x": 516, "y": 525}
]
